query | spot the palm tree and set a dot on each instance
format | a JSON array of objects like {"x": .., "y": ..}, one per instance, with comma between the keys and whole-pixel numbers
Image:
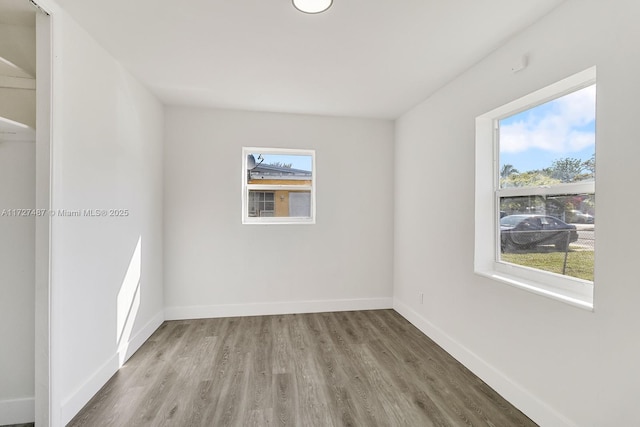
[{"x": 507, "y": 170}]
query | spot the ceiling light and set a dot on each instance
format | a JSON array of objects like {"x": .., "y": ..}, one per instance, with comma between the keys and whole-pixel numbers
[{"x": 312, "y": 6}]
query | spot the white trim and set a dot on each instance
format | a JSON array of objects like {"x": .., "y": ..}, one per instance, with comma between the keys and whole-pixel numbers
[
  {"x": 549, "y": 190},
  {"x": 246, "y": 187},
  {"x": 73, "y": 403},
  {"x": 17, "y": 411},
  {"x": 142, "y": 336},
  {"x": 582, "y": 299},
  {"x": 12, "y": 82},
  {"x": 539, "y": 411},
  {"x": 43, "y": 366},
  {"x": 274, "y": 187},
  {"x": 274, "y": 308},
  {"x": 285, "y": 220}
]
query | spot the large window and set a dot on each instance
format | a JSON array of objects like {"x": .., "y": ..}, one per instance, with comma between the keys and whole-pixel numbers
[
  {"x": 278, "y": 186},
  {"x": 535, "y": 191}
]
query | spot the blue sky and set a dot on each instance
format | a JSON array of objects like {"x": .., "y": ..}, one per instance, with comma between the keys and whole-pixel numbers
[
  {"x": 564, "y": 127},
  {"x": 298, "y": 162}
]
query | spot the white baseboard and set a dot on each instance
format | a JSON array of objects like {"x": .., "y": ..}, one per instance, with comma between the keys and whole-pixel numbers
[
  {"x": 17, "y": 411},
  {"x": 74, "y": 403},
  {"x": 265, "y": 309},
  {"x": 140, "y": 338},
  {"x": 532, "y": 406}
]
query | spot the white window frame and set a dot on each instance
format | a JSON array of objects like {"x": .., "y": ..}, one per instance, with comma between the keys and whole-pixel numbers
[
  {"x": 246, "y": 187},
  {"x": 487, "y": 262}
]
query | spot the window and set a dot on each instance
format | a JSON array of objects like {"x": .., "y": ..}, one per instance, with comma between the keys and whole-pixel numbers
[
  {"x": 535, "y": 191},
  {"x": 261, "y": 203},
  {"x": 278, "y": 186}
]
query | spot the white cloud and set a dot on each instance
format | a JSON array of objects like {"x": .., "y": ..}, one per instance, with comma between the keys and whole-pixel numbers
[{"x": 555, "y": 126}]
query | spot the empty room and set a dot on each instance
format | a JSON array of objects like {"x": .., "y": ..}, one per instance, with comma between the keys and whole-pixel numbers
[{"x": 319, "y": 213}]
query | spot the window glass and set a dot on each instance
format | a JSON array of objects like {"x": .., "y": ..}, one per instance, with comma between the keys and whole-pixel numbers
[
  {"x": 278, "y": 185},
  {"x": 551, "y": 143},
  {"x": 544, "y": 153},
  {"x": 280, "y": 169},
  {"x": 535, "y": 198},
  {"x": 261, "y": 203}
]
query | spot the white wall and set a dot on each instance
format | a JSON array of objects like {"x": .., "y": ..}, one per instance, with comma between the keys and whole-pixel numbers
[
  {"x": 215, "y": 266},
  {"x": 560, "y": 364},
  {"x": 43, "y": 223},
  {"x": 18, "y": 105},
  {"x": 17, "y": 252},
  {"x": 106, "y": 154},
  {"x": 18, "y": 46},
  {"x": 17, "y": 191}
]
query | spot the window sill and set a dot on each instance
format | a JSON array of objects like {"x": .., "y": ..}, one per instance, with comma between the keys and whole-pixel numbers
[
  {"x": 580, "y": 301},
  {"x": 279, "y": 221}
]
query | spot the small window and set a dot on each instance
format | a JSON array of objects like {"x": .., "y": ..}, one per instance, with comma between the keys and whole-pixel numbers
[
  {"x": 535, "y": 191},
  {"x": 278, "y": 186}
]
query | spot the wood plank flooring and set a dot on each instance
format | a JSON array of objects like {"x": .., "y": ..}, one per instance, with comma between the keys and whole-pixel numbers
[{"x": 363, "y": 368}]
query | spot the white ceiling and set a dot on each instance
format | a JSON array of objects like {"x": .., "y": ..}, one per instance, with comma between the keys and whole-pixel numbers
[{"x": 364, "y": 58}]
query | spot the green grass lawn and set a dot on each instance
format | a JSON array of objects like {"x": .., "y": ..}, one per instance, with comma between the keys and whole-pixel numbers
[{"x": 579, "y": 263}]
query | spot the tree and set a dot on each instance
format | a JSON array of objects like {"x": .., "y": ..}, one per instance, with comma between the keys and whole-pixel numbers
[
  {"x": 589, "y": 168},
  {"x": 528, "y": 179},
  {"x": 508, "y": 170},
  {"x": 567, "y": 169}
]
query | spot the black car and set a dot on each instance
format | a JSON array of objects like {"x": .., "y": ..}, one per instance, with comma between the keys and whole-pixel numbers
[{"x": 529, "y": 231}]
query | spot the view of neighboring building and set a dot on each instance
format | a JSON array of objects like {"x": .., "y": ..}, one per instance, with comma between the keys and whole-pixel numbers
[{"x": 279, "y": 202}]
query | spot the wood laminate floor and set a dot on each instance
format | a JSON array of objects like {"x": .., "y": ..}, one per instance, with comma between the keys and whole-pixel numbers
[{"x": 363, "y": 368}]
